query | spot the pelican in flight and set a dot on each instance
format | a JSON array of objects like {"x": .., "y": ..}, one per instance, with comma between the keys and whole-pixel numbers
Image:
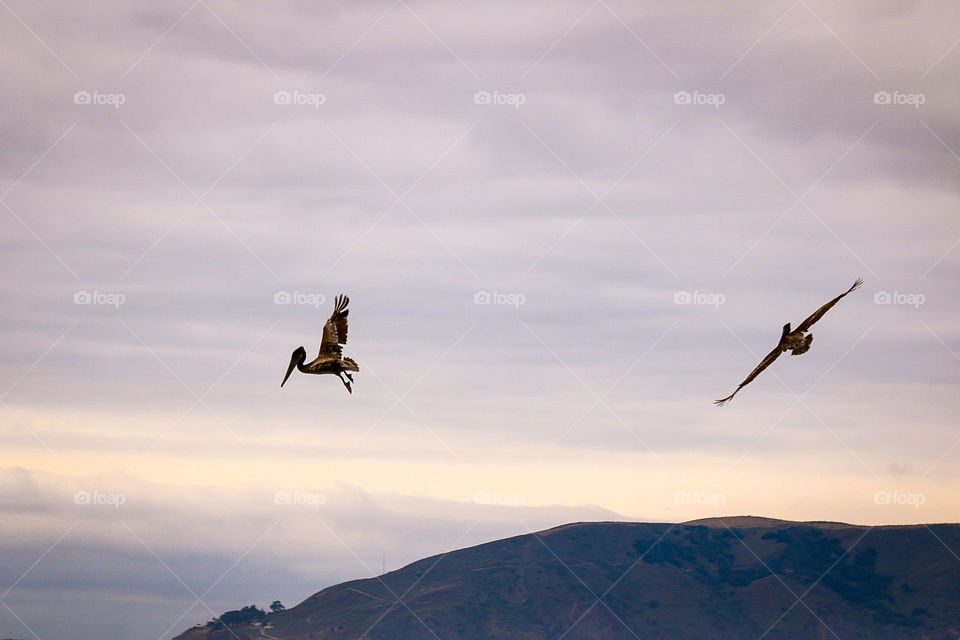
[
  {"x": 330, "y": 359},
  {"x": 794, "y": 341}
]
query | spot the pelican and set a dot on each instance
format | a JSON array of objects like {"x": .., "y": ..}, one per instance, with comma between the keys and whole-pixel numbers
[
  {"x": 330, "y": 359},
  {"x": 794, "y": 341}
]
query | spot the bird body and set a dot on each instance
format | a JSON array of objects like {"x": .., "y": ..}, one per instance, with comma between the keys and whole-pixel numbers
[
  {"x": 323, "y": 364},
  {"x": 797, "y": 342},
  {"x": 330, "y": 359}
]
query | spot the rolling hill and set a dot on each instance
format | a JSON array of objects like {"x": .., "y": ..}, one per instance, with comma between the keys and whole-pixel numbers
[{"x": 720, "y": 578}]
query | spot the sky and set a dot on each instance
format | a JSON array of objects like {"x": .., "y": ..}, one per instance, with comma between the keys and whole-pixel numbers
[{"x": 565, "y": 229}]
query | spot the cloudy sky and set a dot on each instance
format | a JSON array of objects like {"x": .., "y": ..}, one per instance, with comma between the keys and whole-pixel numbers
[{"x": 565, "y": 229}]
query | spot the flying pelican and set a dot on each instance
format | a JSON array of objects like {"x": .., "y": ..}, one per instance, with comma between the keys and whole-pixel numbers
[
  {"x": 330, "y": 359},
  {"x": 794, "y": 341}
]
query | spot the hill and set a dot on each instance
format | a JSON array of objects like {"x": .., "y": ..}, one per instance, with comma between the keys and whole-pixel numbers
[{"x": 720, "y": 578}]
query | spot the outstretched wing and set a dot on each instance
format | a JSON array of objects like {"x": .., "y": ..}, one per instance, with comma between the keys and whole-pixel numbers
[
  {"x": 806, "y": 324},
  {"x": 335, "y": 330},
  {"x": 766, "y": 362}
]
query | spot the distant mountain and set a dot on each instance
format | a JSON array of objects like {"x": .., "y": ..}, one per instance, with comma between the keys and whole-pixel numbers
[{"x": 714, "y": 579}]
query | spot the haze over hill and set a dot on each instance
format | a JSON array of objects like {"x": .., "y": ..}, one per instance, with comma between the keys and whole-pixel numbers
[{"x": 719, "y": 578}]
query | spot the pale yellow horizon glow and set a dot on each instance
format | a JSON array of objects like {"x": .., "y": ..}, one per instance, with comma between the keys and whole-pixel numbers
[{"x": 664, "y": 486}]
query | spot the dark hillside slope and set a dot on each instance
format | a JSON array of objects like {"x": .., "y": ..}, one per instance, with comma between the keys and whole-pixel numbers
[{"x": 719, "y": 579}]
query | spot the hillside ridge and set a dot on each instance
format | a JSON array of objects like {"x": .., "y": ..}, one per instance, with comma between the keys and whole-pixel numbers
[{"x": 720, "y": 578}]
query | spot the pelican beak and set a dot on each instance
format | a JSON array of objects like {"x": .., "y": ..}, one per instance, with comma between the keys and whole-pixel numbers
[{"x": 293, "y": 363}]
